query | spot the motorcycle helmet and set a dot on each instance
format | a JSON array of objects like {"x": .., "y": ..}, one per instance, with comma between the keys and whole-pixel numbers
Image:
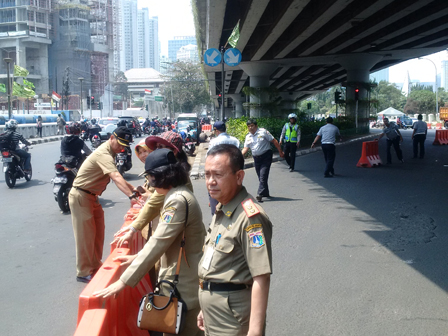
[
  {"x": 93, "y": 121},
  {"x": 73, "y": 128},
  {"x": 12, "y": 125},
  {"x": 292, "y": 115}
]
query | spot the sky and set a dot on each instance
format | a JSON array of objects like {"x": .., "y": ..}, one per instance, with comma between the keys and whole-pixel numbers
[
  {"x": 418, "y": 69},
  {"x": 175, "y": 19}
]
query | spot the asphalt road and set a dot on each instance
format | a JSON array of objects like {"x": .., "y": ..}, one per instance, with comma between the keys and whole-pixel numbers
[{"x": 363, "y": 253}]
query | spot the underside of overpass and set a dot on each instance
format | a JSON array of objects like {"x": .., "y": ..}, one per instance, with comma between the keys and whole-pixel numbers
[{"x": 302, "y": 47}]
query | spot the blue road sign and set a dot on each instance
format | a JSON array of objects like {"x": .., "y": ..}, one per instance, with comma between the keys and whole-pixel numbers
[
  {"x": 232, "y": 57},
  {"x": 212, "y": 57}
]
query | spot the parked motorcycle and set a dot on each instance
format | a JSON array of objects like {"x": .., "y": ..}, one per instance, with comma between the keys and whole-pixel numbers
[
  {"x": 123, "y": 160},
  {"x": 66, "y": 171},
  {"x": 13, "y": 166}
]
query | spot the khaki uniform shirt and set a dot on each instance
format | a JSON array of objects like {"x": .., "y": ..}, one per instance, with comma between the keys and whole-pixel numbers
[
  {"x": 243, "y": 249},
  {"x": 152, "y": 208},
  {"x": 94, "y": 172},
  {"x": 165, "y": 245}
]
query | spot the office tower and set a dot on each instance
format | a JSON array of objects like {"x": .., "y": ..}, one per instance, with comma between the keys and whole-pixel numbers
[
  {"x": 445, "y": 75},
  {"x": 129, "y": 35},
  {"x": 178, "y": 42},
  {"x": 382, "y": 75},
  {"x": 188, "y": 53}
]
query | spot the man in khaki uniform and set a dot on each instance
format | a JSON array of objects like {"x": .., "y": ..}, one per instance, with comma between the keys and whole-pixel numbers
[
  {"x": 235, "y": 269},
  {"x": 86, "y": 211}
]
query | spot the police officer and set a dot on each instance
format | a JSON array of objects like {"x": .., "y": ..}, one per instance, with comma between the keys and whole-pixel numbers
[
  {"x": 259, "y": 141},
  {"x": 86, "y": 211},
  {"x": 181, "y": 211},
  {"x": 234, "y": 272},
  {"x": 291, "y": 135},
  {"x": 328, "y": 135}
]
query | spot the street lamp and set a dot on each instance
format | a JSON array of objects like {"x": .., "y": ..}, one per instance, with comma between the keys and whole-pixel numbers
[
  {"x": 8, "y": 61},
  {"x": 80, "y": 98},
  {"x": 435, "y": 83}
]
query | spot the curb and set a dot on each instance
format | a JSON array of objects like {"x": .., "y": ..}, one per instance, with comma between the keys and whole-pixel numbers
[
  {"x": 197, "y": 162},
  {"x": 44, "y": 140}
]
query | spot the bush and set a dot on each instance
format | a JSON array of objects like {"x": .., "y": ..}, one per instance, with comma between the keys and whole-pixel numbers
[{"x": 309, "y": 129}]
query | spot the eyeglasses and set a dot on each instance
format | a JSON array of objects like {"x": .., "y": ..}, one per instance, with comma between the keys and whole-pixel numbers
[{"x": 215, "y": 129}]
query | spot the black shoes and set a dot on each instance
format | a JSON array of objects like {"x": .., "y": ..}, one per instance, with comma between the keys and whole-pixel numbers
[
  {"x": 85, "y": 279},
  {"x": 328, "y": 175},
  {"x": 259, "y": 198},
  {"x": 291, "y": 170}
]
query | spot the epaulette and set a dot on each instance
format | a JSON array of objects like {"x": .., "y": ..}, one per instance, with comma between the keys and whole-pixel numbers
[{"x": 250, "y": 208}]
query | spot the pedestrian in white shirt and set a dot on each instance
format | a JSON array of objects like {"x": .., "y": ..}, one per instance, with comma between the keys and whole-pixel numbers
[{"x": 419, "y": 136}]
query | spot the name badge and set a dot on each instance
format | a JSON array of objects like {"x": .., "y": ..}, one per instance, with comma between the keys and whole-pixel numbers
[{"x": 207, "y": 257}]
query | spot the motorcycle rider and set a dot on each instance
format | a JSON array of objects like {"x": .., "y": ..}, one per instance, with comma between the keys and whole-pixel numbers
[
  {"x": 94, "y": 129},
  {"x": 73, "y": 145},
  {"x": 146, "y": 123},
  {"x": 11, "y": 127}
]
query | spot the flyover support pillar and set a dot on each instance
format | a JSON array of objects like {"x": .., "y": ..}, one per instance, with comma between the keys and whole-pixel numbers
[
  {"x": 358, "y": 69},
  {"x": 259, "y": 80},
  {"x": 238, "y": 102},
  {"x": 288, "y": 104}
]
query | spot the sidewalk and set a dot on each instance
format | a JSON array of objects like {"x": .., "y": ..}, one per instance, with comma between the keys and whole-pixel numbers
[{"x": 197, "y": 170}]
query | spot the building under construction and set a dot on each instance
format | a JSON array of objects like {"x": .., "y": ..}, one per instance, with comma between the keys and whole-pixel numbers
[{"x": 83, "y": 46}]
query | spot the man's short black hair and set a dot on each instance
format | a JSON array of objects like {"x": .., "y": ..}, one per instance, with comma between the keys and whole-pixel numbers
[
  {"x": 234, "y": 154},
  {"x": 251, "y": 121},
  {"x": 420, "y": 117},
  {"x": 330, "y": 120}
]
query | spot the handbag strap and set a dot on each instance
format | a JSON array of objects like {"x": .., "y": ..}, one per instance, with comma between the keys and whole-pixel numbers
[{"x": 182, "y": 246}]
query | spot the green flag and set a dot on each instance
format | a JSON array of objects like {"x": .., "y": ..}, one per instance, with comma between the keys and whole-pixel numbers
[
  {"x": 235, "y": 36},
  {"x": 2, "y": 87},
  {"x": 20, "y": 72}
]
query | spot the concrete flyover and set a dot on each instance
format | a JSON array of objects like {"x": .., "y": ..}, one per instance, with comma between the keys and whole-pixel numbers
[{"x": 302, "y": 47}]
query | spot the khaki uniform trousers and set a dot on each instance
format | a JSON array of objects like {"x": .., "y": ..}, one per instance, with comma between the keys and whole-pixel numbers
[
  {"x": 191, "y": 325},
  {"x": 88, "y": 227},
  {"x": 226, "y": 313}
]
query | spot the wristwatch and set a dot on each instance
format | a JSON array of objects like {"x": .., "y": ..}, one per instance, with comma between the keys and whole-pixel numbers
[{"x": 134, "y": 195}]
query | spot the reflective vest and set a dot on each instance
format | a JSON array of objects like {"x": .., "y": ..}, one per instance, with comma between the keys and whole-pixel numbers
[{"x": 291, "y": 132}]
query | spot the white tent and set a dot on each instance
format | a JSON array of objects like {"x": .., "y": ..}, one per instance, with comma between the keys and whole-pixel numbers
[{"x": 390, "y": 112}]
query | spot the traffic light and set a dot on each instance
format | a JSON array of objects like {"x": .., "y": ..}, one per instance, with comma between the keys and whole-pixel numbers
[
  {"x": 98, "y": 105},
  {"x": 219, "y": 99},
  {"x": 146, "y": 107},
  {"x": 92, "y": 101},
  {"x": 337, "y": 97},
  {"x": 308, "y": 106},
  {"x": 88, "y": 101},
  {"x": 356, "y": 94}
]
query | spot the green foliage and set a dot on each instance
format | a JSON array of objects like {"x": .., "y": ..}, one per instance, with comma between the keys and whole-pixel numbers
[
  {"x": 121, "y": 85},
  {"x": 309, "y": 129},
  {"x": 424, "y": 101},
  {"x": 185, "y": 87},
  {"x": 388, "y": 95}
]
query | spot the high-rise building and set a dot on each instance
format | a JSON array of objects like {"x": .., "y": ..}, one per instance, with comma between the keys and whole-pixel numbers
[
  {"x": 25, "y": 32},
  {"x": 177, "y": 43},
  {"x": 445, "y": 75},
  {"x": 154, "y": 45},
  {"x": 188, "y": 53},
  {"x": 382, "y": 75},
  {"x": 129, "y": 35}
]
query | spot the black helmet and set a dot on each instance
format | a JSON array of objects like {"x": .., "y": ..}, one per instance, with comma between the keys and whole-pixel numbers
[
  {"x": 93, "y": 121},
  {"x": 73, "y": 128}
]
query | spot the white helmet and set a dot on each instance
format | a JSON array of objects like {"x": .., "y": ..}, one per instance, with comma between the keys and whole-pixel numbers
[
  {"x": 292, "y": 115},
  {"x": 12, "y": 124}
]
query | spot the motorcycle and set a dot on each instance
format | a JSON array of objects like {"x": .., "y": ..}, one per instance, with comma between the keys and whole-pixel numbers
[
  {"x": 66, "y": 170},
  {"x": 13, "y": 166},
  {"x": 84, "y": 135},
  {"x": 123, "y": 161},
  {"x": 99, "y": 138},
  {"x": 189, "y": 146}
]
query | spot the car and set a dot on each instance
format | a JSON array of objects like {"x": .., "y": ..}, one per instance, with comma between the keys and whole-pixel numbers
[
  {"x": 133, "y": 124},
  {"x": 108, "y": 124}
]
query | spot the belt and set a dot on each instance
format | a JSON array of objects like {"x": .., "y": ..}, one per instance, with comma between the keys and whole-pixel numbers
[
  {"x": 257, "y": 156},
  {"x": 86, "y": 191},
  {"x": 221, "y": 287}
]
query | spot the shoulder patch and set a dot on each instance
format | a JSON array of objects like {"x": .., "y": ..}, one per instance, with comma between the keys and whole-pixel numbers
[
  {"x": 167, "y": 217},
  {"x": 250, "y": 208},
  {"x": 253, "y": 226}
]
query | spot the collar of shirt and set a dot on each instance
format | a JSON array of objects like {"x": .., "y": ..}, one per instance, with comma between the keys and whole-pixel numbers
[
  {"x": 230, "y": 207},
  {"x": 109, "y": 148}
]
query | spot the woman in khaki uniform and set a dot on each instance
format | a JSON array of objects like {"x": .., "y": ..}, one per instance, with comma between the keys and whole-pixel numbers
[{"x": 169, "y": 177}]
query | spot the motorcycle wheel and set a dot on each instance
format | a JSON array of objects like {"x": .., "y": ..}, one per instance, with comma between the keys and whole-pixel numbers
[
  {"x": 62, "y": 199},
  {"x": 29, "y": 175},
  {"x": 121, "y": 170},
  {"x": 10, "y": 179}
]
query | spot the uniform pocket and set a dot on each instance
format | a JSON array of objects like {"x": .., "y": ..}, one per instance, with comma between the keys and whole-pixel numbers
[
  {"x": 222, "y": 256},
  {"x": 239, "y": 305}
]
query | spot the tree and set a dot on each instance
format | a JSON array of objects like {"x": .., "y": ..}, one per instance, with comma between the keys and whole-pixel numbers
[
  {"x": 388, "y": 95},
  {"x": 442, "y": 96},
  {"x": 65, "y": 89},
  {"x": 121, "y": 86},
  {"x": 185, "y": 87},
  {"x": 422, "y": 101}
]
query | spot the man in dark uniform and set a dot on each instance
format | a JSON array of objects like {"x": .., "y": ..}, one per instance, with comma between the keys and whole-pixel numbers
[{"x": 235, "y": 270}]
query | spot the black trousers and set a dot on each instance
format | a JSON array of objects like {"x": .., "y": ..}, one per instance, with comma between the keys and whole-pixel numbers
[
  {"x": 329, "y": 155},
  {"x": 39, "y": 131},
  {"x": 419, "y": 140},
  {"x": 290, "y": 153},
  {"x": 396, "y": 143},
  {"x": 262, "y": 167}
]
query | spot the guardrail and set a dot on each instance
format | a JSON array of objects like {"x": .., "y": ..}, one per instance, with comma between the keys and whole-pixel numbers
[
  {"x": 441, "y": 137},
  {"x": 113, "y": 316},
  {"x": 29, "y": 131},
  {"x": 370, "y": 155}
]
